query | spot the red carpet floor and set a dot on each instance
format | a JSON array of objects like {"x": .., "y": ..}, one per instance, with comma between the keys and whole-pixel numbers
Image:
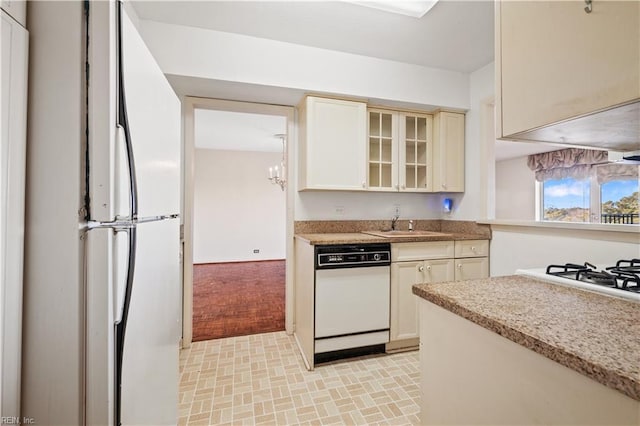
[{"x": 238, "y": 298}]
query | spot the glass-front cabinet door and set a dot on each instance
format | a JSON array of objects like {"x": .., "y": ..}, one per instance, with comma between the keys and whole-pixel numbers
[
  {"x": 416, "y": 152},
  {"x": 383, "y": 151},
  {"x": 400, "y": 151}
]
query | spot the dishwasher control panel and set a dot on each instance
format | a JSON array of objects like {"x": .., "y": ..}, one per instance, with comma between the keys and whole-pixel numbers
[{"x": 352, "y": 255}]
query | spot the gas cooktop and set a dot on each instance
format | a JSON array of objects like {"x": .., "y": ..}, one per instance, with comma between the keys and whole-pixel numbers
[{"x": 621, "y": 279}]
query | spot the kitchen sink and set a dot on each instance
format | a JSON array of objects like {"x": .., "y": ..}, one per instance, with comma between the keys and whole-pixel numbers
[{"x": 398, "y": 233}]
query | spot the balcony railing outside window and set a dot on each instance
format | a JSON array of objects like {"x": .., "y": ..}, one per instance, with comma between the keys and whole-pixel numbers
[{"x": 622, "y": 218}]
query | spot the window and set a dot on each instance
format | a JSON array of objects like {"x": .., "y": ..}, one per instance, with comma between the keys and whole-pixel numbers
[
  {"x": 566, "y": 200},
  {"x": 619, "y": 201},
  {"x": 583, "y": 185},
  {"x": 586, "y": 200}
]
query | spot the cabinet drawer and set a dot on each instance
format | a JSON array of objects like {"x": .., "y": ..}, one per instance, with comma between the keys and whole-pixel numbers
[
  {"x": 472, "y": 248},
  {"x": 418, "y": 251}
]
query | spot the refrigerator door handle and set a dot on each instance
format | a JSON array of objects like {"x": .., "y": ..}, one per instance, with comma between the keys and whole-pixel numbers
[
  {"x": 156, "y": 218},
  {"x": 123, "y": 124},
  {"x": 120, "y": 224}
]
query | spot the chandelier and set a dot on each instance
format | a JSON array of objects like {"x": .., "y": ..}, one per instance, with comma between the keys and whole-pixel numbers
[{"x": 277, "y": 174}]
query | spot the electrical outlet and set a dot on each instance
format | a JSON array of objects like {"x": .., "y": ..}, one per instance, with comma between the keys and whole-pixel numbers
[
  {"x": 339, "y": 210},
  {"x": 256, "y": 250}
]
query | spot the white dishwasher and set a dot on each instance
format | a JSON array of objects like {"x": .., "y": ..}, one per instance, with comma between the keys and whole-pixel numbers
[{"x": 352, "y": 298}]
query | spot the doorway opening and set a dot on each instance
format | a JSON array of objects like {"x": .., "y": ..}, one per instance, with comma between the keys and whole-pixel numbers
[
  {"x": 237, "y": 223},
  {"x": 238, "y": 298}
]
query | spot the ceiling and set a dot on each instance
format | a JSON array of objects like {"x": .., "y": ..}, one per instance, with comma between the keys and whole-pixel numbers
[{"x": 454, "y": 35}]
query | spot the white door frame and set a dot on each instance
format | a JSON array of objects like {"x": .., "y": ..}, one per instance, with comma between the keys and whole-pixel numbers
[{"x": 189, "y": 105}]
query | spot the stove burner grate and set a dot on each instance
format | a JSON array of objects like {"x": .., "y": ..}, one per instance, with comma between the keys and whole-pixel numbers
[
  {"x": 568, "y": 270},
  {"x": 597, "y": 277},
  {"x": 625, "y": 275}
]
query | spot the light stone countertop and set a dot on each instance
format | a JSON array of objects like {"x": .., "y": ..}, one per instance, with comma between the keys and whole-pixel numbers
[{"x": 593, "y": 334}]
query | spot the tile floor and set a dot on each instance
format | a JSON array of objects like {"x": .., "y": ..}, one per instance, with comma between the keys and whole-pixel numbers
[{"x": 261, "y": 379}]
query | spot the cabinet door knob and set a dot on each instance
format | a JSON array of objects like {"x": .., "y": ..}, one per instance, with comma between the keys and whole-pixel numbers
[
  {"x": 444, "y": 185},
  {"x": 364, "y": 184},
  {"x": 459, "y": 265},
  {"x": 421, "y": 268},
  {"x": 404, "y": 186},
  {"x": 473, "y": 248},
  {"x": 429, "y": 268},
  {"x": 397, "y": 186}
]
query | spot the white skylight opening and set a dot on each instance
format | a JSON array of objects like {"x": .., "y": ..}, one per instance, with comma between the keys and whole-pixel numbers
[{"x": 415, "y": 9}]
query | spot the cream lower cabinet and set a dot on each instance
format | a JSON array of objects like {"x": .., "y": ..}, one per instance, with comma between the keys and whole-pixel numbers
[
  {"x": 428, "y": 262},
  {"x": 471, "y": 268},
  {"x": 472, "y": 259},
  {"x": 414, "y": 263}
]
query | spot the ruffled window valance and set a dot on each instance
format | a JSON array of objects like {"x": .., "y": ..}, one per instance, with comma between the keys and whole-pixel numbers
[
  {"x": 608, "y": 172},
  {"x": 573, "y": 163}
]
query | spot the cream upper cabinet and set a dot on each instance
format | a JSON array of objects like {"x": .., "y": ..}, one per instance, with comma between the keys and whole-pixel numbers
[
  {"x": 400, "y": 151},
  {"x": 382, "y": 150},
  {"x": 448, "y": 152},
  {"x": 416, "y": 153},
  {"x": 333, "y": 144},
  {"x": 345, "y": 146},
  {"x": 554, "y": 61}
]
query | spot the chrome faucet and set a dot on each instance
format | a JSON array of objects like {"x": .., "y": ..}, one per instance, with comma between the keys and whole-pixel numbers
[
  {"x": 393, "y": 222},
  {"x": 411, "y": 226}
]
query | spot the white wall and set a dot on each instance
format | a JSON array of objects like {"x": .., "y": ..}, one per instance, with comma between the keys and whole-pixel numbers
[
  {"x": 472, "y": 204},
  {"x": 515, "y": 190},
  {"x": 236, "y": 208},
  {"x": 514, "y": 247},
  {"x": 215, "y": 55},
  {"x": 336, "y": 205},
  {"x": 239, "y": 59}
]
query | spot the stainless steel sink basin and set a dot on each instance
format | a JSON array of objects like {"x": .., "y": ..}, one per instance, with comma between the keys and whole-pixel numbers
[{"x": 397, "y": 233}]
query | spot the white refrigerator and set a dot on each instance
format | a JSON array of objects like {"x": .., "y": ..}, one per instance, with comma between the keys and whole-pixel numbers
[
  {"x": 147, "y": 229},
  {"x": 102, "y": 348}
]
